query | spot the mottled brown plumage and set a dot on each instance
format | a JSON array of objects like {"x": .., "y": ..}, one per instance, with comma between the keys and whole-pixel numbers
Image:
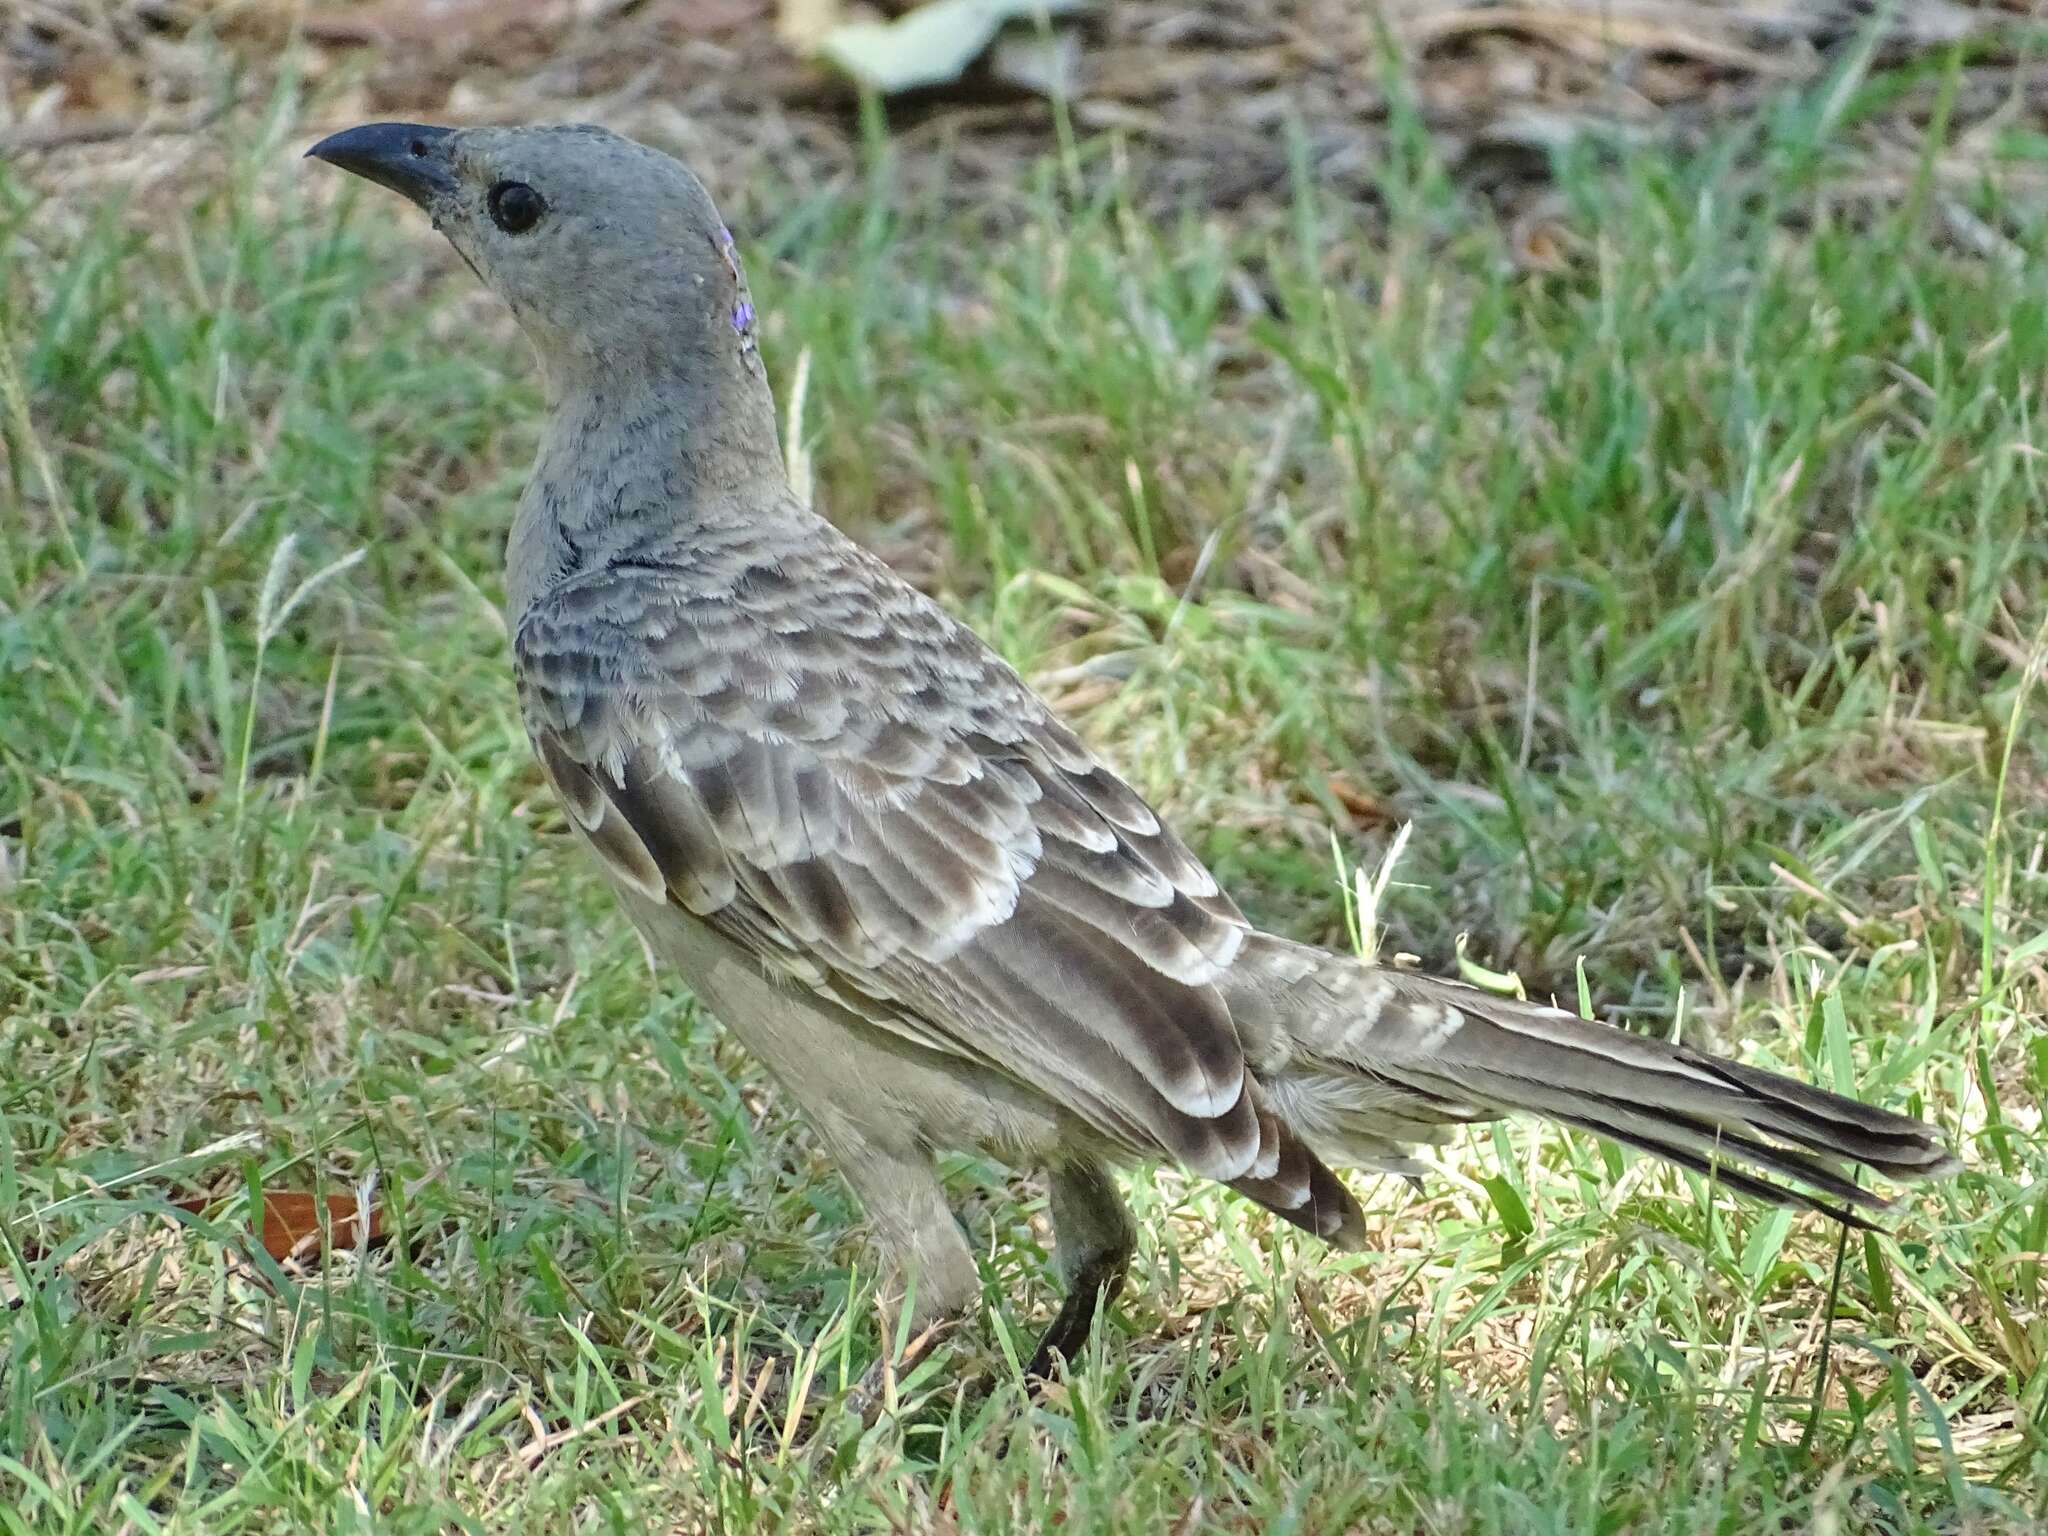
[{"x": 933, "y": 913}]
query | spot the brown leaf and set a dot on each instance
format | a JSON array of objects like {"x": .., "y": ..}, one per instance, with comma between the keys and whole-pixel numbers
[
  {"x": 425, "y": 21},
  {"x": 1541, "y": 245},
  {"x": 1363, "y": 805},
  {"x": 291, "y": 1221},
  {"x": 681, "y": 19}
]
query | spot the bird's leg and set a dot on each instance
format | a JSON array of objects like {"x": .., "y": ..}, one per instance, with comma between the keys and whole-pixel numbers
[
  {"x": 1094, "y": 1240},
  {"x": 915, "y": 1234},
  {"x": 841, "y": 1078}
]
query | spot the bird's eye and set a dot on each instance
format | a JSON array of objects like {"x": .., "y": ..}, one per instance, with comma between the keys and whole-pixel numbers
[{"x": 516, "y": 207}]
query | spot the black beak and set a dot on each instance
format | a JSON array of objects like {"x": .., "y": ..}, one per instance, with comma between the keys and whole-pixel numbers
[{"x": 412, "y": 159}]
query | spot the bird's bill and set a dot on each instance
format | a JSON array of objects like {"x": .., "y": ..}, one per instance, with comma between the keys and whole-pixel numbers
[{"x": 409, "y": 158}]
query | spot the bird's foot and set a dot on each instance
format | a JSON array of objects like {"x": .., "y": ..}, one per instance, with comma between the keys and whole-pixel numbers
[
  {"x": 875, "y": 1392},
  {"x": 1093, "y": 1288}
]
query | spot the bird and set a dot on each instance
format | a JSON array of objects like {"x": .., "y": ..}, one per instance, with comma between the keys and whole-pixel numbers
[{"x": 934, "y": 915}]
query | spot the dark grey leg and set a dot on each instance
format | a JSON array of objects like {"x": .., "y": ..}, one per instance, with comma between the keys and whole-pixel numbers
[{"x": 1094, "y": 1240}]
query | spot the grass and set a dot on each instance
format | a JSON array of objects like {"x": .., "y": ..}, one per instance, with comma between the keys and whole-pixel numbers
[{"x": 1686, "y": 598}]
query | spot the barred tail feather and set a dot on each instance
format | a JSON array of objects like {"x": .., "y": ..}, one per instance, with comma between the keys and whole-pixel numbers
[{"x": 1417, "y": 1050}]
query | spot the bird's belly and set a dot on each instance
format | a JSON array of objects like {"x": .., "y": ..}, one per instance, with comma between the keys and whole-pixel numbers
[{"x": 839, "y": 1067}]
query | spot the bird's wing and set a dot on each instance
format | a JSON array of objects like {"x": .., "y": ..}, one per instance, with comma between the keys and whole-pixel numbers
[{"x": 805, "y": 752}]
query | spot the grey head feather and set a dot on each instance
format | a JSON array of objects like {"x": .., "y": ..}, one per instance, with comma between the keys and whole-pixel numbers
[
  {"x": 629, "y": 268},
  {"x": 629, "y": 285}
]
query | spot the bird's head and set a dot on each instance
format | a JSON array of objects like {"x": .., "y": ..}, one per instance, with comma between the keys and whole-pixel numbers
[{"x": 610, "y": 254}]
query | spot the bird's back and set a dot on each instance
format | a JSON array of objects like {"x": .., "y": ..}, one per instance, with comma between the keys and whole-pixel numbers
[{"x": 774, "y": 731}]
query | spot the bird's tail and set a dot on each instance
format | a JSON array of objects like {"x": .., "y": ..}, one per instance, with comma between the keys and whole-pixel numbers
[{"x": 1383, "y": 1057}]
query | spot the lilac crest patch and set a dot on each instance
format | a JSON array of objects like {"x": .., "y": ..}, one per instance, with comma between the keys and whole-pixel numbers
[{"x": 743, "y": 305}]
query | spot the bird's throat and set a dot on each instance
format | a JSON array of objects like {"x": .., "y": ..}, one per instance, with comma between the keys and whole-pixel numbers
[{"x": 632, "y": 465}]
